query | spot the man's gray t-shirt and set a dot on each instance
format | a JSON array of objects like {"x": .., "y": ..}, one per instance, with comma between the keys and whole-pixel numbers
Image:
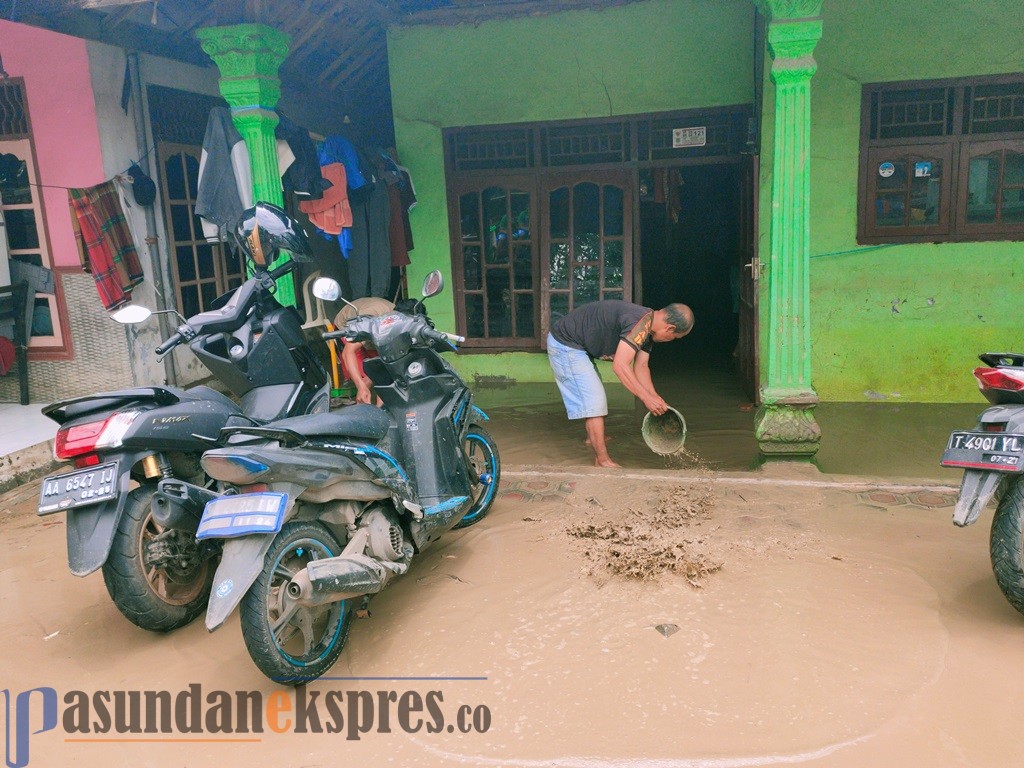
[{"x": 598, "y": 327}]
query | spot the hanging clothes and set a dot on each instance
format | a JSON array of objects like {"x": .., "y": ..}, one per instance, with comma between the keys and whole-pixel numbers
[
  {"x": 396, "y": 226},
  {"x": 225, "y": 176},
  {"x": 338, "y": 149},
  {"x": 39, "y": 280},
  {"x": 369, "y": 263},
  {"x": 303, "y": 175},
  {"x": 332, "y": 212},
  {"x": 105, "y": 246}
]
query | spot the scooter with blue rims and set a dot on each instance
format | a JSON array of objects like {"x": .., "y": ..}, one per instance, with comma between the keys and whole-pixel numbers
[{"x": 323, "y": 511}]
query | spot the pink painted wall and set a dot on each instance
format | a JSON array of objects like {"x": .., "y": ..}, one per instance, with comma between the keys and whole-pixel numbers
[{"x": 62, "y": 111}]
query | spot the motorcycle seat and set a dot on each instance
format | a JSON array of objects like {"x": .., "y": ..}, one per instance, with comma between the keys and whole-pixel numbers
[
  {"x": 203, "y": 392},
  {"x": 366, "y": 422}
]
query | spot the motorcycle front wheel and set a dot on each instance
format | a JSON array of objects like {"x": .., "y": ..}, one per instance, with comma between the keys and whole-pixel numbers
[
  {"x": 482, "y": 453},
  {"x": 300, "y": 646},
  {"x": 1006, "y": 545},
  {"x": 155, "y": 598}
]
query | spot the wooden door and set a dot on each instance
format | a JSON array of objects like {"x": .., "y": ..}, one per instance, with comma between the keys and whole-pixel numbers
[
  {"x": 747, "y": 350},
  {"x": 586, "y": 241}
]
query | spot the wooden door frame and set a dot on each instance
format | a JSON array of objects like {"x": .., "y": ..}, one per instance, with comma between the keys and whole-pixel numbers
[
  {"x": 750, "y": 274},
  {"x": 622, "y": 176}
]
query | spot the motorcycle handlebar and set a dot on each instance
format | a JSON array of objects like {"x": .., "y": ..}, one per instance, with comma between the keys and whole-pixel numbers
[
  {"x": 284, "y": 269},
  {"x": 170, "y": 344}
]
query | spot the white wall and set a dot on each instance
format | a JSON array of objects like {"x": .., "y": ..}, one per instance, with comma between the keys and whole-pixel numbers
[{"x": 120, "y": 148}]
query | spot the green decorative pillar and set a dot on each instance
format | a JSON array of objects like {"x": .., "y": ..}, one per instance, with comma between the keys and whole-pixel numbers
[
  {"x": 248, "y": 57},
  {"x": 785, "y": 425}
]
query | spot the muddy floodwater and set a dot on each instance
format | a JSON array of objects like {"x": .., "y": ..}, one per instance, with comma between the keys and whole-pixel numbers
[
  {"x": 707, "y": 615},
  {"x": 886, "y": 439},
  {"x": 643, "y": 620}
]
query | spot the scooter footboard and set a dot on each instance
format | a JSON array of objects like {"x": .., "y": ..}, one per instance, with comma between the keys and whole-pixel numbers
[{"x": 240, "y": 565}]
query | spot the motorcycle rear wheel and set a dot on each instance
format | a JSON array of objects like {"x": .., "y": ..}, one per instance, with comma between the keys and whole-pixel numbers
[
  {"x": 482, "y": 452},
  {"x": 303, "y": 647},
  {"x": 155, "y": 599},
  {"x": 1006, "y": 545}
]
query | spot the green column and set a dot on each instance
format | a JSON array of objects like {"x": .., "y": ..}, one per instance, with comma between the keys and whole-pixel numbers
[
  {"x": 248, "y": 57},
  {"x": 785, "y": 425}
]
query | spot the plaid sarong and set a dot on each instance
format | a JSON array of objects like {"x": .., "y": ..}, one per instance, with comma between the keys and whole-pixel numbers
[{"x": 105, "y": 245}]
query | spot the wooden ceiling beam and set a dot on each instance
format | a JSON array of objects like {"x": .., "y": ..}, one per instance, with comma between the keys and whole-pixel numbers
[
  {"x": 350, "y": 72},
  {"x": 115, "y": 18}
]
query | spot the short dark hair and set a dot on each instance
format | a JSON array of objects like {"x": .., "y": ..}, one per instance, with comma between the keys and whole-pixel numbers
[{"x": 679, "y": 316}]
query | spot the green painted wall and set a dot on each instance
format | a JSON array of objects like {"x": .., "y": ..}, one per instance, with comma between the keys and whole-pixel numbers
[
  {"x": 954, "y": 300},
  {"x": 644, "y": 57}
]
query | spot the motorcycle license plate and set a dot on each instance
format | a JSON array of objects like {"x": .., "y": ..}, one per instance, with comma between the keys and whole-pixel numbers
[
  {"x": 994, "y": 451},
  {"x": 78, "y": 489},
  {"x": 243, "y": 514}
]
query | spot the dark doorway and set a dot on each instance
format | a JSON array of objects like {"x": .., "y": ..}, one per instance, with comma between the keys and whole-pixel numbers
[
  {"x": 692, "y": 225},
  {"x": 689, "y": 244}
]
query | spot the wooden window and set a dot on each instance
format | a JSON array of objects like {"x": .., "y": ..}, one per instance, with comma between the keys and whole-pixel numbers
[
  {"x": 201, "y": 271},
  {"x": 496, "y": 269},
  {"x": 942, "y": 161},
  {"x": 24, "y": 225}
]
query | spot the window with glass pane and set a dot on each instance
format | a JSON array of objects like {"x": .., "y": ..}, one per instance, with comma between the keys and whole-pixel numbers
[
  {"x": 913, "y": 190},
  {"x": 496, "y": 266},
  {"x": 22, "y": 214},
  {"x": 201, "y": 271},
  {"x": 995, "y": 187},
  {"x": 585, "y": 245}
]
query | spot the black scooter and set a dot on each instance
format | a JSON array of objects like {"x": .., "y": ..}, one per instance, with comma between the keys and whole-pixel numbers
[
  {"x": 326, "y": 510},
  {"x": 156, "y": 572},
  {"x": 992, "y": 458}
]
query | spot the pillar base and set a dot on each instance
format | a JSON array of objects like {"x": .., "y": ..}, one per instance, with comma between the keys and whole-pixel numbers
[{"x": 787, "y": 430}]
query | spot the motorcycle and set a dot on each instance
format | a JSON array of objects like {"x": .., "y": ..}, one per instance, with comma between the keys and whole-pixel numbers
[
  {"x": 155, "y": 571},
  {"x": 992, "y": 457},
  {"x": 324, "y": 511}
]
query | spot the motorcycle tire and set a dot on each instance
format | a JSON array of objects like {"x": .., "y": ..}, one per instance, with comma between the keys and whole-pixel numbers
[
  {"x": 277, "y": 654},
  {"x": 1006, "y": 545},
  {"x": 483, "y": 452},
  {"x": 155, "y": 599}
]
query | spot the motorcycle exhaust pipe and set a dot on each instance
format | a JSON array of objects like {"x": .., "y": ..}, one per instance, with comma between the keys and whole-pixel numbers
[
  {"x": 179, "y": 505},
  {"x": 338, "y": 578}
]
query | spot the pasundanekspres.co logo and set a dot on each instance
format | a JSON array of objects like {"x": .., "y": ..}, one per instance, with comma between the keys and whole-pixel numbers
[{"x": 197, "y": 715}]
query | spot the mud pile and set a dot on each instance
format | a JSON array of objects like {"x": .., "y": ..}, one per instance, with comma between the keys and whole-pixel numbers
[{"x": 658, "y": 534}]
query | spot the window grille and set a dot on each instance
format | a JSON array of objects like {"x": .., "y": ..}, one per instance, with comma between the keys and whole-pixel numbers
[{"x": 13, "y": 114}]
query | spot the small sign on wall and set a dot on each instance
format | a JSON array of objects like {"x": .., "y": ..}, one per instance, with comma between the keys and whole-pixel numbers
[{"x": 689, "y": 137}]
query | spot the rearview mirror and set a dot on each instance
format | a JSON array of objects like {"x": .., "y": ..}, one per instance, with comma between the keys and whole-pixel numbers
[
  {"x": 130, "y": 314},
  {"x": 326, "y": 289},
  {"x": 432, "y": 284}
]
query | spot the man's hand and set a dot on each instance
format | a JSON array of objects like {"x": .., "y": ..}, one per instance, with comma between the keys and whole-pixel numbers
[
  {"x": 656, "y": 405},
  {"x": 363, "y": 393}
]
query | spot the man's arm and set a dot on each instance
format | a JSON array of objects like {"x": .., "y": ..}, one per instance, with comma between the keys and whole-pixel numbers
[
  {"x": 632, "y": 369},
  {"x": 350, "y": 365}
]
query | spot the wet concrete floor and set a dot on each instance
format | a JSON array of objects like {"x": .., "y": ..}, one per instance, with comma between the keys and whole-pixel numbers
[{"x": 884, "y": 439}]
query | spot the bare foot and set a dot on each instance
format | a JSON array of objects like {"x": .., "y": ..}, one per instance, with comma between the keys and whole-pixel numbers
[{"x": 605, "y": 463}]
